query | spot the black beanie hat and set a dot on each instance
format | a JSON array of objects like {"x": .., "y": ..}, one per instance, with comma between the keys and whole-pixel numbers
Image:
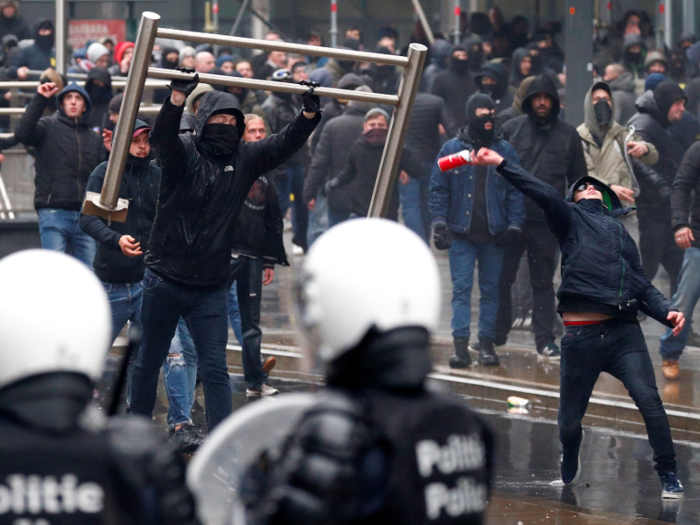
[
  {"x": 665, "y": 94},
  {"x": 477, "y": 131}
]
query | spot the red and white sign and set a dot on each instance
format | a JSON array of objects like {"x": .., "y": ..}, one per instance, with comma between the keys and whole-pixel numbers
[{"x": 81, "y": 31}]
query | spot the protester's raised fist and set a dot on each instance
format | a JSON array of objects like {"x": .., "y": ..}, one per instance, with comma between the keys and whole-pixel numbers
[
  {"x": 312, "y": 103},
  {"x": 487, "y": 157},
  {"x": 47, "y": 90}
]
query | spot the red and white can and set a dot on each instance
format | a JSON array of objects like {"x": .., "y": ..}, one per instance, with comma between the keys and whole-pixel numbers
[{"x": 455, "y": 160}]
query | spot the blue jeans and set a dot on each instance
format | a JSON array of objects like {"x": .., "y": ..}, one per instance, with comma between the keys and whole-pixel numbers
[
  {"x": 414, "y": 203},
  {"x": 125, "y": 302},
  {"x": 248, "y": 273},
  {"x": 180, "y": 375},
  {"x": 294, "y": 184},
  {"x": 685, "y": 299},
  {"x": 318, "y": 219},
  {"x": 463, "y": 258},
  {"x": 60, "y": 231},
  {"x": 164, "y": 302},
  {"x": 337, "y": 216},
  {"x": 619, "y": 349},
  {"x": 234, "y": 313}
]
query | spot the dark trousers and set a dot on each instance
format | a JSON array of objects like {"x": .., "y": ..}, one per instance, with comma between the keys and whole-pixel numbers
[
  {"x": 657, "y": 246},
  {"x": 541, "y": 246},
  {"x": 294, "y": 184},
  {"x": 247, "y": 273},
  {"x": 164, "y": 302},
  {"x": 619, "y": 349}
]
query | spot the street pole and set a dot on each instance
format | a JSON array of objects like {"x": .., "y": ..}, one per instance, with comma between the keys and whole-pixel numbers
[
  {"x": 107, "y": 204},
  {"x": 215, "y": 22},
  {"x": 579, "y": 57},
  {"x": 668, "y": 23},
  {"x": 334, "y": 23},
  {"x": 458, "y": 18},
  {"x": 689, "y": 16},
  {"x": 60, "y": 39},
  {"x": 239, "y": 17},
  {"x": 389, "y": 167}
]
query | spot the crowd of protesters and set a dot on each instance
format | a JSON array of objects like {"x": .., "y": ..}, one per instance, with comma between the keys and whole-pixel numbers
[{"x": 502, "y": 87}]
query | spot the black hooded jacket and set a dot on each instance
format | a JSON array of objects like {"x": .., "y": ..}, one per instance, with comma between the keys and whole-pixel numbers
[
  {"x": 652, "y": 125},
  {"x": 37, "y": 57},
  {"x": 439, "y": 54},
  {"x": 15, "y": 26},
  {"x": 200, "y": 199},
  {"x": 455, "y": 88},
  {"x": 140, "y": 186},
  {"x": 550, "y": 150},
  {"x": 100, "y": 96},
  {"x": 503, "y": 93},
  {"x": 600, "y": 266},
  {"x": 685, "y": 204},
  {"x": 67, "y": 151}
]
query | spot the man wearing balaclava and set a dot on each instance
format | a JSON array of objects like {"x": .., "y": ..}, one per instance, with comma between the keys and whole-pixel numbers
[
  {"x": 38, "y": 56},
  {"x": 657, "y": 110},
  {"x": 476, "y": 214},
  {"x": 456, "y": 84},
  {"x": 550, "y": 149},
  {"x": 206, "y": 177},
  {"x": 633, "y": 55},
  {"x": 604, "y": 145}
]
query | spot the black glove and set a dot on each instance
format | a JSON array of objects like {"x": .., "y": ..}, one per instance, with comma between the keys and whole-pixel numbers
[
  {"x": 441, "y": 237},
  {"x": 185, "y": 86},
  {"x": 507, "y": 238},
  {"x": 312, "y": 103},
  {"x": 331, "y": 186}
]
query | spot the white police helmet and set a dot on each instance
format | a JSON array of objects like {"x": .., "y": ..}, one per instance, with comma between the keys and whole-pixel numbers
[
  {"x": 54, "y": 317},
  {"x": 364, "y": 273}
]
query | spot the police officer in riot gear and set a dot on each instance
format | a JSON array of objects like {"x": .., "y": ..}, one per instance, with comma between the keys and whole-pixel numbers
[
  {"x": 62, "y": 463},
  {"x": 378, "y": 446}
]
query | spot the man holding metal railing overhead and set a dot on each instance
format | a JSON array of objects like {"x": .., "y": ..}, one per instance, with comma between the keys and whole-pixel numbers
[{"x": 206, "y": 177}]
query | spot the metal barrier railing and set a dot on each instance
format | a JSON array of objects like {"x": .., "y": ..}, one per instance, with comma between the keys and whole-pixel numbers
[
  {"x": 147, "y": 110},
  {"x": 108, "y": 205}
]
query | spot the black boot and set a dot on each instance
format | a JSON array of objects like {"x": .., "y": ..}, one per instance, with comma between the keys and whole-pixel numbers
[
  {"x": 487, "y": 354},
  {"x": 461, "y": 359}
]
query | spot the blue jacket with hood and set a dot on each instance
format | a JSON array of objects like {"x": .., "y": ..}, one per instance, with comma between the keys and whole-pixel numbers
[
  {"x": 600, "y": 262},
  {"x": 67, "y": 150}
]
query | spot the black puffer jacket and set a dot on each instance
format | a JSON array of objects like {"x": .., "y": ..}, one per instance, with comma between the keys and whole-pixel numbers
[
  {"x": 455, "y": 89},
  {"x": 67, "y": 151},
  {"x": 200, "y": 199},
  {"x": 281, "y": 109},
  {"x": 652, "y": 126},
  {"x": 550, "y": 150},
  {"x": 599, "y": 260},
  {"x": 687, "y": 181},
  {"x": 140, "y": 186},
  {"x": 332, "y": 155}
]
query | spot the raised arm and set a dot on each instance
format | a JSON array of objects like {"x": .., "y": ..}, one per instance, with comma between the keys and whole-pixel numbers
[
  {"x": 555, "y": 208},
  {"x": 31, "y": 129}
]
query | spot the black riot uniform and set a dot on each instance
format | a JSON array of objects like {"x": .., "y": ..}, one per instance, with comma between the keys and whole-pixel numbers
[
  {"x": 57, "y": 467},
  {"x": 378, "y": 447}
]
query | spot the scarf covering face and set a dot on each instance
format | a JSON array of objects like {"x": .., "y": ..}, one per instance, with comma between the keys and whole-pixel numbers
[
  {"x": 218, "y": 141},
  {"x": 376, "y": 136}
]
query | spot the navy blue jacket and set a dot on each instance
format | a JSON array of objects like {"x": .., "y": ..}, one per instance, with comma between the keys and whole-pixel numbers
[
  {"x": 451, "y": 192},
  {"x": 599, "y": 260}
]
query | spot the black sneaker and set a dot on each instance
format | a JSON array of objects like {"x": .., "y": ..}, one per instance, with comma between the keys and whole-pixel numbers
[
  {"x": 186, "y": 439},
  {"x": 487, "y": 354},
  {"x": 461, "y": 359},
  {"x": 672, "y": 486},
  {"x": 549, "y": 352},
  {"x": 693, "y": 338},
  {"x": 571, "y": 465}
]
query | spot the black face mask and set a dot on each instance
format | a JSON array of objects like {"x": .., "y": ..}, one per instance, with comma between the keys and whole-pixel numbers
[
  {"x": 384, "y": 71},
  {"x": 477, "y": 125},
  {"x": 44, "y": 42},
  {"x": 632, "y": 58},
  {"x": 100, "y": 94},
  {"x": 488, "y": 89},
  {"x": 167, "y": 64},
  {"x": 459, "y": 66},
  {"x": 218, "y": 141},
  {"x": 603, "y": 112}
]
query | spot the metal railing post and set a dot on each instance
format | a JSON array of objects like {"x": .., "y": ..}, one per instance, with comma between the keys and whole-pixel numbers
[
  {"x": 108, "y": 205},
  {"x": 457, "y": 34},
  {"x": 389, "y": 167},
  {"x": 334, "y": 23},
  {"x": 60, "y": 36}
]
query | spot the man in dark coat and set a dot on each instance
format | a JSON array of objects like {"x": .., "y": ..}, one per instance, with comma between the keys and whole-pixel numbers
[
  {"x": 331, "y": 158},
  {"x": 602, "y": 291},
  {"x": 363, "y": 166},
  {"x": 38, "y": 56},
  {"x": 205, "y": 181},
  {"x": 67, "y": 150},
  {"x": 11, "y": 23},
  {"x": 493, "y": 81},
  {"x": 551, "y": 149},
  {"x": 656, "y": 111},
  {"x": 456, "y": 84},
  {"x": 440, "y": 53},
  {"x": 99, "y": 87}
]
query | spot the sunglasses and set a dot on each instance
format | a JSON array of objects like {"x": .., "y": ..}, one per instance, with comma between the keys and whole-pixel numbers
[{"x": 584, "y": 187}]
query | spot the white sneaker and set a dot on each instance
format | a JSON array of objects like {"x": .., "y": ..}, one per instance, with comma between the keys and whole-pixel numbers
[
  {"x": 265, "y": 391},
  {"x": 297, "y": 250}
]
